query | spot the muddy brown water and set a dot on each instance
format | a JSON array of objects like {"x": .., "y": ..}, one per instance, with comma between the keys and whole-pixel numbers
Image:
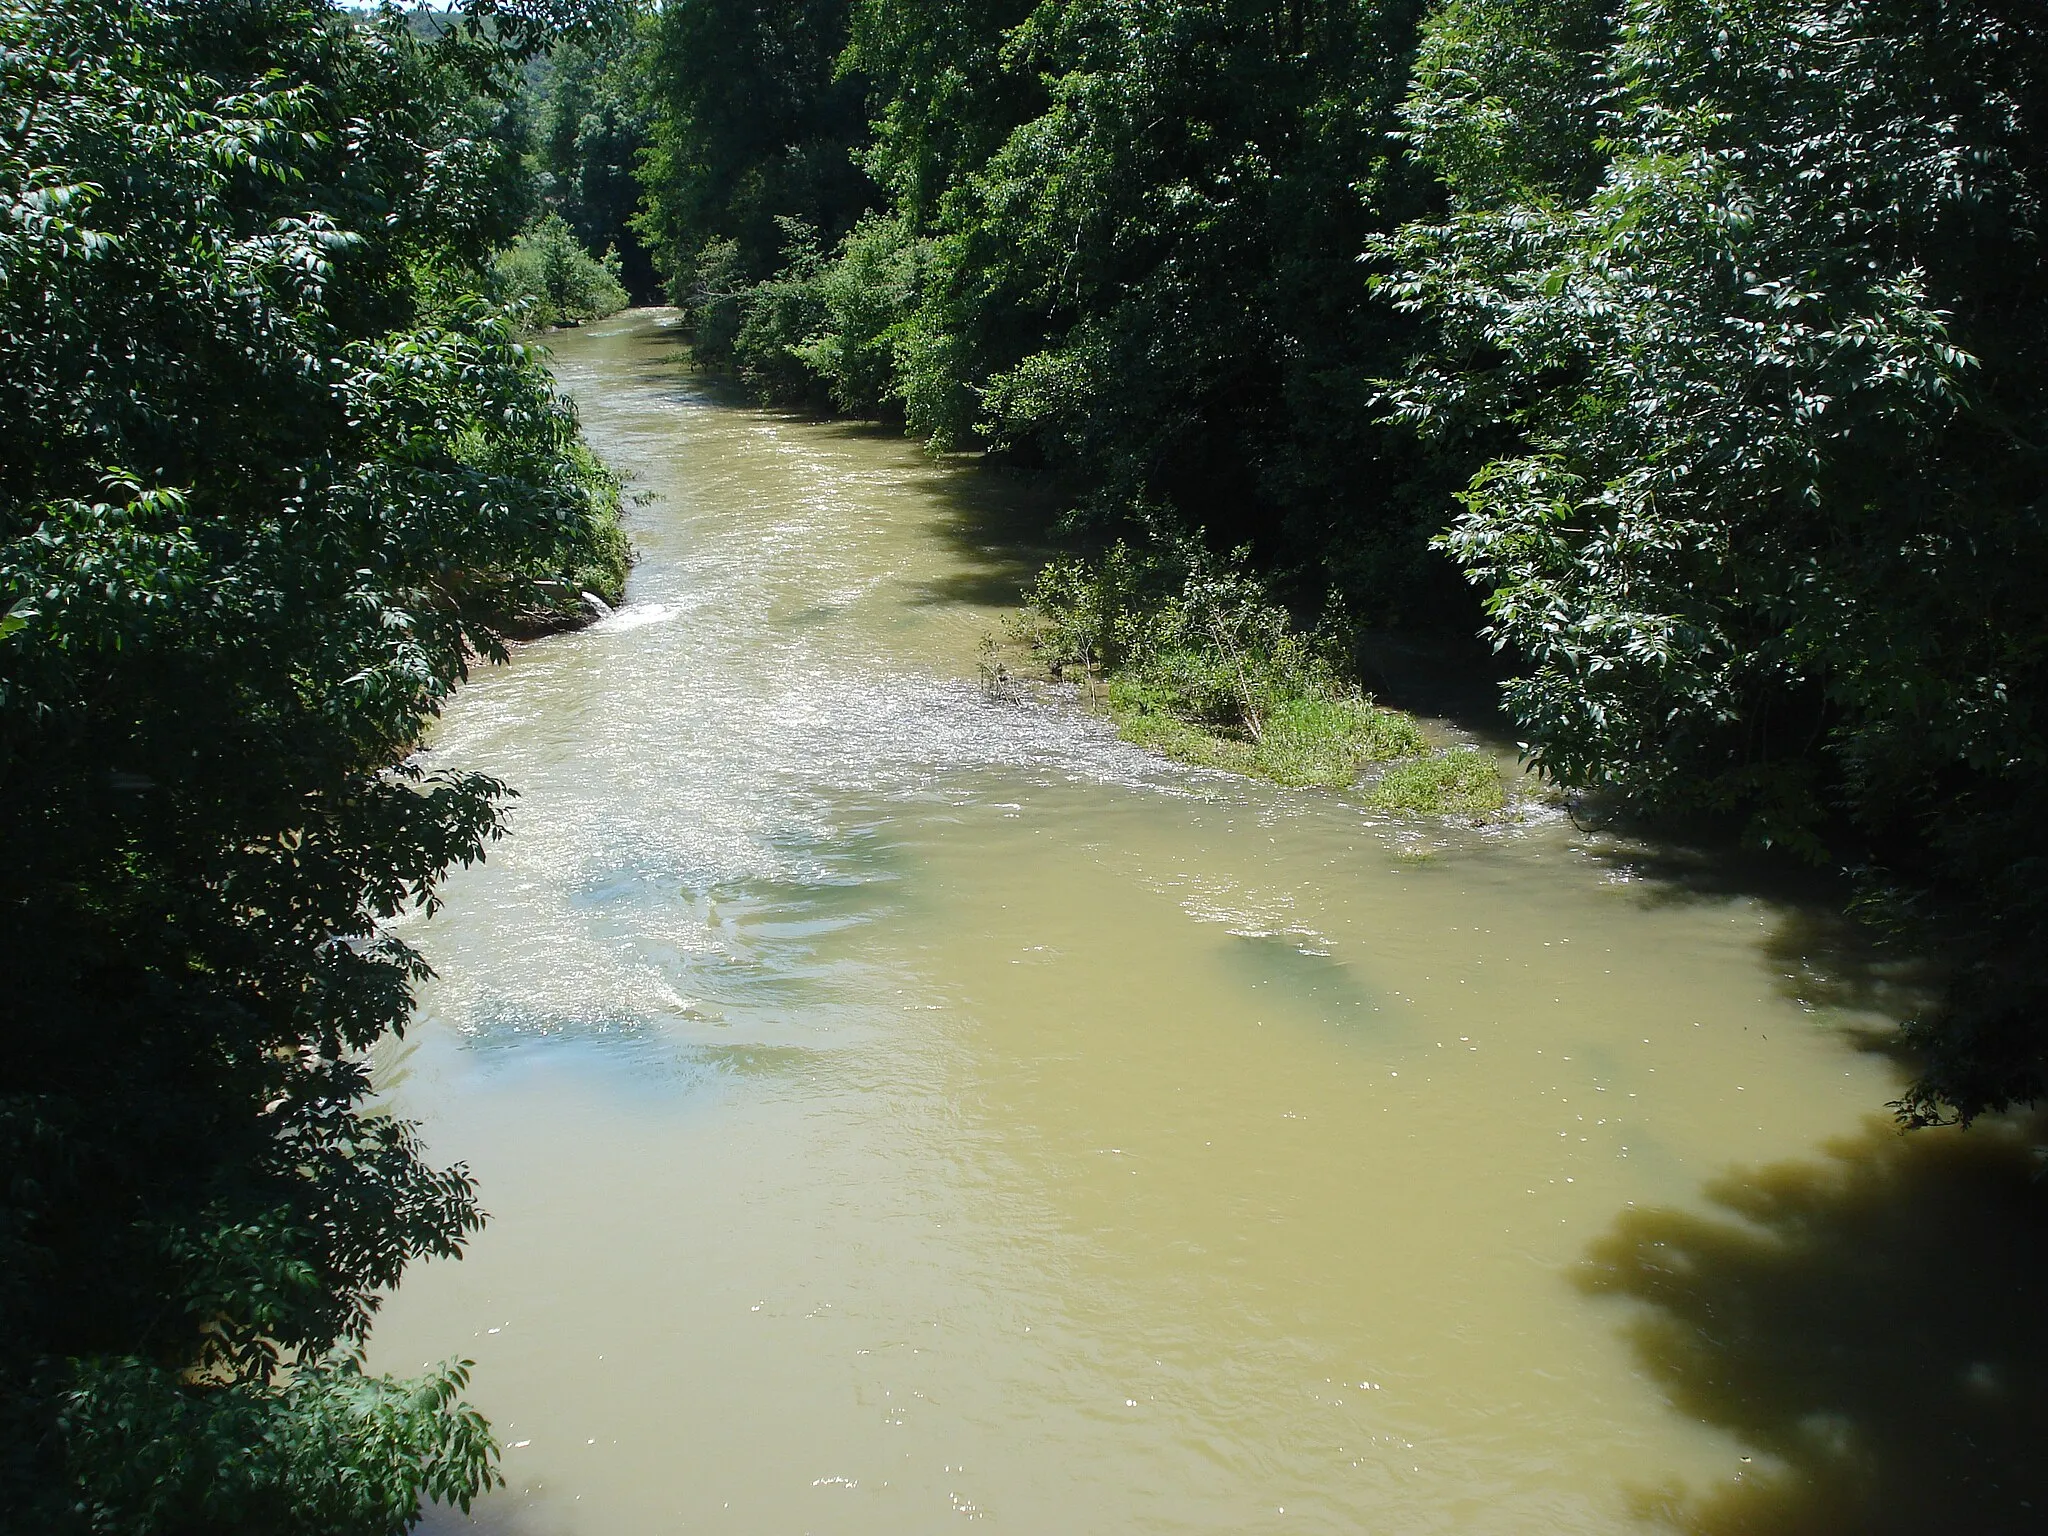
[{"x": 899, "y": 1110}]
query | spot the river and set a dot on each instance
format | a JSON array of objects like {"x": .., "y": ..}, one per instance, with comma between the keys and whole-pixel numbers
[{"x": 899, "y": 1109}]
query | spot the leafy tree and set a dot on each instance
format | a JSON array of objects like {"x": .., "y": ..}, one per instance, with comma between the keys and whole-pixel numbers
[
  {"x": 753, "y": 127},
  {"x": 591, "y": 124},
  {"x": 1152, "y": 285},
  {"x": 866, "y": 297},
  {"x": 1757, "y": 293},
  {"x": 272, "y": 475},
  {"x": 945, "y": 89}
]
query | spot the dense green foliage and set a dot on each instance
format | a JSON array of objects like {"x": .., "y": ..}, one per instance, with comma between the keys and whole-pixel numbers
[
  {"x": 1762, "y": 304},
  {"x": 1728, "y": 315},
  {"x": 1149, "y": 285},
  {"x": 751, "y": 155},
  {"x": 272, "y": 475},
  {"x": 587, "y": 116},
  {"x": 547, "y": 278}
]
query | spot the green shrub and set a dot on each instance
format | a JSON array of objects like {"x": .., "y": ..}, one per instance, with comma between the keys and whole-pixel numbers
[
  {"x": 777, "y": 317},
  {"x": 825, "y": 329},
  {"x": 710, "y": 292},
  {"x": 550, "y": 279},
  {"x": 868, "y": 292},
  {"x": 1201, "y": 664},
  {"x": 597, "y": 553}
]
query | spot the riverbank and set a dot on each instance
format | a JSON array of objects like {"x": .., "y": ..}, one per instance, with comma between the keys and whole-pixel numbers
[{"x": 587, "y": 583}]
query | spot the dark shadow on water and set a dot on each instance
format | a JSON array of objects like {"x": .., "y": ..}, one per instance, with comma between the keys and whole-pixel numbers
[
  {"x": 1815, "y": 953},
  {"x": 499, "y": 1514},
  {"x": 1001, "y": 585},
  {"x": 1441, "y": 676},
  {"x": 990, "y": 517},
  {"x": 1872, "y": 1326}
]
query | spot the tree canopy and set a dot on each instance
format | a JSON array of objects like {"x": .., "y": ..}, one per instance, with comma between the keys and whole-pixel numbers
[
  {"x": 273, "y": 475},
  {"x": 1762, "y": 301}
]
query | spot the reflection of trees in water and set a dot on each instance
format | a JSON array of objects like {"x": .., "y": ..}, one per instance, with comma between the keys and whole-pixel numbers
[{"x": 1873, "y": 1325}]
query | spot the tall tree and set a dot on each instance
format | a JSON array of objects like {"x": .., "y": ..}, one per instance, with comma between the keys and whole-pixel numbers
[
  {"x": 270, "y": 479},
  {"x": 592, "y": 123},
  {"x": 1758, "y": 295},
  {"x": 754, "y": 126},
  {"x": 1151, "y": 285}
]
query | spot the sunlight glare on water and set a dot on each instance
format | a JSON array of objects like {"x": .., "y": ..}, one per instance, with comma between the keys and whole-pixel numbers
[{"x": 899, "y": 1109}]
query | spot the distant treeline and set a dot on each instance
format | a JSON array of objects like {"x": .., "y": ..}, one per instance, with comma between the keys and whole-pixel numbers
[{"x": 1703, "y": 338}]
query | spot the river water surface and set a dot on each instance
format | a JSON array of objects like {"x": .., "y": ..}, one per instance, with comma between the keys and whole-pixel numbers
[{"x": 898, "y": 1109}]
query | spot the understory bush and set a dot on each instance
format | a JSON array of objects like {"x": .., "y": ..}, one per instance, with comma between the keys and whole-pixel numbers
[
  {"x": 594, "y": 555},
  {"x": 550, "y": 279},
  {"x": 827, "y": 330},
  {"x": 868, "y": 293}
]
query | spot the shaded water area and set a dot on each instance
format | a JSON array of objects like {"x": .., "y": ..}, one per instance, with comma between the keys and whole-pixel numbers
[{"x": 899, "y": 1109}]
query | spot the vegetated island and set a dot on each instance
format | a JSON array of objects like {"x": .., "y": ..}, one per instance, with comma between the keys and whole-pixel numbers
[{"x": 1190, "y": 655}]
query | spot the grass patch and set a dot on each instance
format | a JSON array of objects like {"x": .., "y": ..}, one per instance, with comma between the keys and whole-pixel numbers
[
  {"x": 1315, "y": 740},
  {"x": 1459, "y": 782},
  {"x": 1304, "y": 741},
  {"x": 1141, "y": 720}
]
